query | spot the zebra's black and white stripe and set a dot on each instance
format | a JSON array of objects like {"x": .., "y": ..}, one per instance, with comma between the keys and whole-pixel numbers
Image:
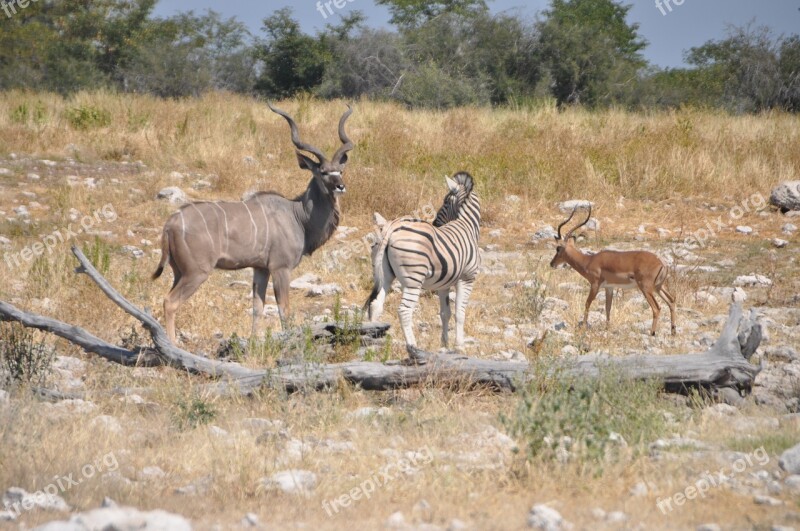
[{"x": 433, "y": 256}]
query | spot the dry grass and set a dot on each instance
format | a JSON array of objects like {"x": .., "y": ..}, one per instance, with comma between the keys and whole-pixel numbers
[{"x": 672, "y": 170}]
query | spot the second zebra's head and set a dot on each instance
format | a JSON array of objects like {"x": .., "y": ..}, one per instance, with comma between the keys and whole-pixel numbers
[{"x": 460, "y": 188}]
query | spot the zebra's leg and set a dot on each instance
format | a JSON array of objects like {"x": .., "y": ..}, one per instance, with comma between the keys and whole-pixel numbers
[
  {"x": 444, "y": 313},
  {"x": 407, "y": 305},
  {"x": 463, "y": 291}
]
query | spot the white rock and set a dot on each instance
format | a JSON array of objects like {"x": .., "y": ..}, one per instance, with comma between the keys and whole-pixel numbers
[
  {"x": 786, "y": 196},
  {"x": 395, "y": 521},
  {"x": 121, "y": 519},
  {"x": 4, "y": 397},
  {"x": 545, "y": 233},
  {"x": 789, "y": 228},
  {"x": 22, "y": 211},
  {"x": 593, "y": 224},
  {"x": 107, "y": 422},
  {"x": 572, "y": 204},
  {"x": 250, "y": 520},
  {"x": 16, "y": 499},
  {"x": 33, "y": 177},
  {"x": 744, "y": 229},
  {"x": 291, "y": 481},
  {"x": 150, "y": 473},
  {"x": 790, "y": 460},
  {"x": 311, "y": 283},
  {"x": 6, "y": 171},
  {"x": 752, "y": 279},
  {"x": 546, "y": 518},
  {"x": 779, "y": 243},
  {"x": 767, "y": 500},
  {"x": 176, "y": 176},
  {"x": 173, "y": 194},
  {"x": 49, "y": 163}
]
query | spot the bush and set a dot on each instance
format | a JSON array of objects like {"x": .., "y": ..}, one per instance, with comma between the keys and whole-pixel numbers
[
  {"x": 565, "y": 419},
  {"x": 87, "y": 117},
  {"x": 193, "y": 413},
  {"x": 24, "y": 360}
]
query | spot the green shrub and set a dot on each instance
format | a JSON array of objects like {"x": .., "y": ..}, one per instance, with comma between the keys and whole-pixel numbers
[
  {"x": 87, "y": 117},
  {"x": 567, "y": 418},
  {"x": 193, "y": 413}
]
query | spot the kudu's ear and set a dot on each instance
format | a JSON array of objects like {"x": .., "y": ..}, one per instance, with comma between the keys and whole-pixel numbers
[{"x": 306, "y": 163}]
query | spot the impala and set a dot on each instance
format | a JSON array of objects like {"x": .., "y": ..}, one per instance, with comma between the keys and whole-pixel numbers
[{"x": 615, "y": 269}]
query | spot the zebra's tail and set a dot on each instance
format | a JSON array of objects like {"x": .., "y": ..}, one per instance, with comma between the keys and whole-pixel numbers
[{"x": 378, "y": 257}]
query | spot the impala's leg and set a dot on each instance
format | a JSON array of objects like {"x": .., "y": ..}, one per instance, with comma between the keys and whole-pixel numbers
[
  {"x": 589, "y": 300},
  {"x": 260, "y": 281},
  {"x": 280, "y": 283},
  {"x": 444, "y": 313},
  {"x": 182, "y": 289},
  {"x": 647, "y": 291},
  {"x": 407, "y": 305},
  {"x": 609, "y": 299},
  {"x": 463, "y": 291},
  {"x": 670, "y": 300}
]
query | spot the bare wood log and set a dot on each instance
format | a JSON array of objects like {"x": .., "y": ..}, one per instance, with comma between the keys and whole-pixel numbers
[{"x": 724, "y": 367}]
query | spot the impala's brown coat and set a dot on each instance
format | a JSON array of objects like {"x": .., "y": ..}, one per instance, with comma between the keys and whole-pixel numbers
[{"x": 616, "y": 269}]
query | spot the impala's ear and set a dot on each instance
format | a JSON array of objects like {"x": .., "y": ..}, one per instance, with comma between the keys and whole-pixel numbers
[
  {"x": 306, "y": 163},
  {"x": 451, "y": 184}
]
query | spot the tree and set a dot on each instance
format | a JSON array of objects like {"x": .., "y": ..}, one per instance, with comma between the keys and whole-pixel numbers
[
  {"x": 292, "y": 61},
  {"x": 589, "y": 49},
  {"x": 756, "y": 70},
  {"x": 409, "y": 14}
]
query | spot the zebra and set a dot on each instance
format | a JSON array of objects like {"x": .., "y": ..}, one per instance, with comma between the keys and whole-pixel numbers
[{"x": 432, "y": 256}]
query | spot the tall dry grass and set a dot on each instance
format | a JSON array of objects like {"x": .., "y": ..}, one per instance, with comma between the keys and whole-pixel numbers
[{"x": 661, "y": 169}]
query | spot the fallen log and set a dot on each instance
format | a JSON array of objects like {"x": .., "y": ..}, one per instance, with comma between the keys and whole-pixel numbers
[{"x": 724, "y": 369}]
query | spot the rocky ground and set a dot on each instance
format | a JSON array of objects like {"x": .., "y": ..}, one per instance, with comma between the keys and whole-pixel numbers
[{"x": 274, "y": 462}]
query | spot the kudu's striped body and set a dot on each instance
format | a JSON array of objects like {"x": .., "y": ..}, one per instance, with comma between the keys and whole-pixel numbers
[
  {"x": 615, "y": 269},
  {"x": 429, "y": 256},
  {"x": 267, "y": 232}
]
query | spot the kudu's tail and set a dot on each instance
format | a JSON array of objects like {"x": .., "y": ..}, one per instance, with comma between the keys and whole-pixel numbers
[{"x": 164, "y": 255}]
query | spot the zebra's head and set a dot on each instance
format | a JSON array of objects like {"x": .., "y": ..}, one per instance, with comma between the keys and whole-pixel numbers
[{"x": 459, "y": 190}]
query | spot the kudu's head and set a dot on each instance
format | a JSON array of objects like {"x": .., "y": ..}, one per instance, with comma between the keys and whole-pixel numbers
[
  {"x": 459, "y": 188},
  {"x": 328, "y": 171},
  {"x": 567, "y": 243}
]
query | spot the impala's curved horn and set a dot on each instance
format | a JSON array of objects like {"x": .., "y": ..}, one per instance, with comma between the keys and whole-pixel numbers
[{"x": 588, "y": 217}]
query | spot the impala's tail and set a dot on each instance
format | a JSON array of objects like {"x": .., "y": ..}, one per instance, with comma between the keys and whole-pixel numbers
[{"x": 164, "y": 255}]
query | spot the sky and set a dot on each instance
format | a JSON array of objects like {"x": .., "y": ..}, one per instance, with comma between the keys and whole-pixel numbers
[{"x": 669, "y": 33}]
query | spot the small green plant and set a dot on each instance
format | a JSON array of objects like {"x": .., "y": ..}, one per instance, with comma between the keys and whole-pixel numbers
[
  {"x": 24, "y": 360},
  {"x": 565, "y": 419},
  {"x": 193, "y": 413},
  {"x": 527, "y": 302},
  {"x": 22, "y": 114},
  {"x": 99, "y": 254},
  {"x": 87, "y": 117}
]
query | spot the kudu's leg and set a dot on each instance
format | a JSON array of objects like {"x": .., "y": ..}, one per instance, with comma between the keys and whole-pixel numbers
[
  {"x": 463, "y": 291},
  {"x": 260, "y": 281},
  {"x": 406, "y": 311},
  {"x": 593, "y": 289},
  {"x": 609, "y": 300},
  {"x": 670, "y": 300},
  {"x": 647, "y": 291},
  {"x": 444, "y": 313},
  {"x": 184, "y": 288},
  {"x": 280, "y": 282}
]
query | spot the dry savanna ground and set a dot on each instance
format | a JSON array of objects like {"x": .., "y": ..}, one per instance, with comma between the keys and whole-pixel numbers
[{"x": 655, "y": 179}]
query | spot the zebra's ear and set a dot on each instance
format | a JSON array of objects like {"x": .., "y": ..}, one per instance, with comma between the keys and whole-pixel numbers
[
  {"x": 451, "y": 184},
  {"x": 380, "y": 221}
]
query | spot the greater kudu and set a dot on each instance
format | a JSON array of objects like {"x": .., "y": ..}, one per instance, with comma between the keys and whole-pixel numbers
[{"x": 267, "y": 232}]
